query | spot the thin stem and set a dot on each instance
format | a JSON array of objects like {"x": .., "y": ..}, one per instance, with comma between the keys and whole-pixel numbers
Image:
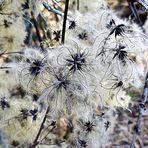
[
  {"x": 64, "y": 21},
  {"x": 78, "y": 4},
  {"x": 137, "y": 128},
  {"x": 5, "y": 67},
  {"x": 47, "y": 133},
  {"x": 36, "y": 142},
  {"x": 58, "y": 12},
  {"x": 16, "y": 52},
  {"x": 19, "y": 52},
  {"x": 144, "y": 4},
  {"x": 134, "y": 11},
  {"x": 37, "y": 30},
  {"x": 29, "y": 36}
]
